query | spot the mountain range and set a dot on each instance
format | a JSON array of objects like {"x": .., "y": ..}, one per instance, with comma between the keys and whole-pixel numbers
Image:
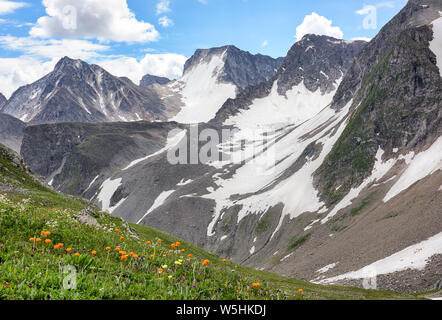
[{"x": 331, "y": 170}]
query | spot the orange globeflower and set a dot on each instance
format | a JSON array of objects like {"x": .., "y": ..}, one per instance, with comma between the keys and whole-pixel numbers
[
  {"x": 160, "y": 270},
  {"x": 94, "y": 252},
  {"x": 68, "y": 250},
  {"x": 148, "y": 242},
  {"x": 121, "y": 238},
  {"x": 173, "y": 245},
  {"x": 48, "y": 241},
  {"x": 117, "y": 249},
  {"x": 60, "y": 245},
  {"x": 224, "y": 260},
  {"x": 205, "y": 262},
  {"x": 31, "y": 239},
  {"x": 117, "y": 230},
  {"x": 124, "y": 258},
  {"x": 134, "y": 256},
  {"x": 76, "y": 254},
  {"x": 38, "y": 240},
  {"x": 151, "y": 256},
  {"x": 256, "y": 285},
  {"x": 189, "y": 255},
  {"x": 182, "y": 250},
  {"x": 159, "y": 240},
  {"x": 108, "y": 248},
  {"x": 300, "y": 291},
  {"x": 123, "y": 253},
  {"x": 178, "y": 244}
]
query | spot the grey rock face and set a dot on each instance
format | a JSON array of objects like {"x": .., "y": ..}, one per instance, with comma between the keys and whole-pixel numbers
[
  {"x": 396, "y": 86},
  {"x": 77, "y": 91},
  {"x": 3, "y": 101},
  {"x": 241, "y": 68},
  {"x": 148, "y": 80},
  {"x": 11, "y": 131}
]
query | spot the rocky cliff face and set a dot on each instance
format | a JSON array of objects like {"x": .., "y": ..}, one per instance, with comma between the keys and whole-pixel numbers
[
  {"x": 11, "y": 131},
  {"x": 78, "y": 92},
  {"x": 3, "y": 100},
  {"x": 149, "y": 80}
]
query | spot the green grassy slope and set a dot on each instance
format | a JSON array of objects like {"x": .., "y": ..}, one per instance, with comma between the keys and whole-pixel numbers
[{"x": 37, "y": 270}]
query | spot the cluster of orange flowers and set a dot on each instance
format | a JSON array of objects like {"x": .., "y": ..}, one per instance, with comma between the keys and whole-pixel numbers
[
  {"x": 256, "y": 285},
  {"x": 205, "y": 262}
]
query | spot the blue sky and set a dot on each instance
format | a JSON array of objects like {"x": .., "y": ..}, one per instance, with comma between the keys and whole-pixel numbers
[{"x": 132, "y": 37}]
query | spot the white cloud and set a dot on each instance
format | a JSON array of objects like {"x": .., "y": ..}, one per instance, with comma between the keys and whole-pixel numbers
[
  {"x": 265, "y": 43},
  {"x": 20, "y": 71},
  {"x": 203, "y": 1},
  {"x": 92, "y": 19},
  {"x": 10, "y": 6},
  {"x": 317, "y": 24},
  {"x": 52, "y": 48},
  {"x": 168, "y": 65},
  {"x": 163, "y": 6},
  {"x": 165, "y": 22},
  {"x": 361, "y": 38}
]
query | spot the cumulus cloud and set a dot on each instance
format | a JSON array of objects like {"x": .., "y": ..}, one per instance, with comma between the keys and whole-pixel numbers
[
  {"x": 20, "y": 71},
  {"x": 265, "y": 44},
  {"x": 163, "y": 6},
  {"x": 165, "y": 22},
  {"x": 52, "y": 48},
  {"x": 7, "y": 7},
  {"x": 92, "y": 19},
  {"x": 168, "y": 65},
  {"x": 361, "y": 38},
  {"x": 316, "y": 24}
]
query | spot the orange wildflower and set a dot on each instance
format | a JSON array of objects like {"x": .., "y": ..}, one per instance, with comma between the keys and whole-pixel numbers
[
  {"x": 135, "y": 256},
  {"x": 31, "y": 239},
  {"x": 224, "y": 260},
  {"x": 48, "y": 241},
  {"x": 117, "y": 249},
  {"x": 300, "y": 291},
  {"x": 160, "y": 270},
  {"x": 94, "y": 252},
  {"x": 121, "y": 238},
  {"x": 151, "y": 256},
  {"x": 76, "y": 254},
  {"x": 108, "y": 248},
  {"x": 124, "y": 257},
  {"x": 189, "y": 255},
  {"x": 182, "y": 250},
  {"x": 56, "y": 247},
  {"x": 159, "y": 240},
  {"x": 60, "y": 245},
  {"x": 68, "y": 250},
  {"x": 148, "y": 242},
  {"x": 123, "y": 253},
  {"x": 256, "y": 285},
  {"x": 205, "y": 262},
  {"x": 178, "y": 244},
  {"x": 173, "y": 245},
  {"x": 117, "y": 230},
  {"x": 38, "y": 240}
]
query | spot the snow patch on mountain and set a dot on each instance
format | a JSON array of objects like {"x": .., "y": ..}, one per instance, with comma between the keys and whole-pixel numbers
[
  {"x": 412, "y": 257},
  {"x": 202, "y": 93},
  {"x": 278, "y": 153},
  {"x": 107, "y": 190},
  {"x": 380, "y": 169},
  {"x": 422, "y": 165},
  {"x": 436, "y": 43},
  {"x": 159, "y": 201}
]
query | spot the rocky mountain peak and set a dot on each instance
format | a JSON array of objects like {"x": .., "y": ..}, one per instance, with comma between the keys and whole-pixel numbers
[
  {"x": 149, "y": 79},
  {"x": 240, "y": 68},
  {"x": 319, "y": 61}
]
